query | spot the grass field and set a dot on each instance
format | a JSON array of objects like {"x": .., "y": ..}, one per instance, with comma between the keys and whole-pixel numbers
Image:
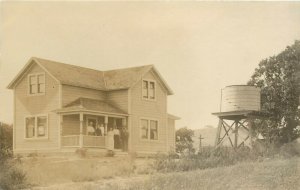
[{"x": 275, "y": 174}]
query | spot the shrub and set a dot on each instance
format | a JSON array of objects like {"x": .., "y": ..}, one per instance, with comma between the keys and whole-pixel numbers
[
  {"x": 6, "y": 141},
  {"x": 110, "y": 153},
  {"x": 290, "y": 150},
  {"x": 82, "y": 152},
  {"x": 209, "y": 157},
  {"x": 11, "y": 176}
]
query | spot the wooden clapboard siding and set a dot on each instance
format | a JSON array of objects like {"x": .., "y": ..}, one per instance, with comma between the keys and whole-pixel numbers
[
  {"x": 71, "y": 93},
  {"x": 71, "y": 125},
  {"x": 148, "y": 109},
  {"x": 118, "y": 98},
  {"x": 35, "y": 105},
  {"x": 171, "y": 134}
]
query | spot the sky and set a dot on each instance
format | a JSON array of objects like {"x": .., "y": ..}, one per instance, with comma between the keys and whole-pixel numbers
[{"x": 198, "y": 47}]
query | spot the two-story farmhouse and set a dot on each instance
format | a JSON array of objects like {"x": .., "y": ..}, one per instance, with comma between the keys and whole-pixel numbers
[{"x": 59, "y": 107}]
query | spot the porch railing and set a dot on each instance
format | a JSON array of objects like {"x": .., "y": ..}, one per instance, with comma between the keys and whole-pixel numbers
[
  {"x": 70, "y": 141},
  {"x": 85, "y": 141},
  {"x": 94, "y": 141}
]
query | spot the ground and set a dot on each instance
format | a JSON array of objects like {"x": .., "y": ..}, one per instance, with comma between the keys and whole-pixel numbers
[{"x": 134, "y": 173}]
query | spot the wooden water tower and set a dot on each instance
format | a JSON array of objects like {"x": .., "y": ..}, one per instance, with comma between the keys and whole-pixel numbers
[{"x": 240, "y": 106}]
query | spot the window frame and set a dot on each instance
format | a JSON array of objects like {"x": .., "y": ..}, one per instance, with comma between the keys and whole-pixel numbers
[
  {"x": 36, "y": 127},
  {"x": 148, "y": 89},
  {"x": 149, "y": 129},
  {"x": 37, "y": 84}
]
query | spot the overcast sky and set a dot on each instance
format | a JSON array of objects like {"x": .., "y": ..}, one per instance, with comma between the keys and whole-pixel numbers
[{"x": 198, "y": 47}]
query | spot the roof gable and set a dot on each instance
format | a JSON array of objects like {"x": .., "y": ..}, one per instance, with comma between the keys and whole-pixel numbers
[
  {"x": 24, "y": 70},
  {"x": 90, "y": 78}
]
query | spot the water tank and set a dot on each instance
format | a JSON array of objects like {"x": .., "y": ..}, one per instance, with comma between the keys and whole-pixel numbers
[{"x": 239, "y": 98}]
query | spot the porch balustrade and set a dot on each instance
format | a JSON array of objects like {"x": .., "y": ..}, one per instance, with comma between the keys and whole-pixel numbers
[{"x": 87, "y": 141}]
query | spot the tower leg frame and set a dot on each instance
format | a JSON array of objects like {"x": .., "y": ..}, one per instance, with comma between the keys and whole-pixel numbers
[{"x": 235, "y": 140}]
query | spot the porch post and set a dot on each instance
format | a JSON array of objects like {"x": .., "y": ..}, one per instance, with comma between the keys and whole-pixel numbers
[
  {"x": 81, "y": 131},
  {"x": 61, "y": 129},
  {"x": 130, "y": 134},
  {"x": 105, "y": 124}
]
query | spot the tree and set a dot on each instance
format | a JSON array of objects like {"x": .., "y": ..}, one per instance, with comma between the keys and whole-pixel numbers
[
  {"x": 6, "y": 140},
  {"x": 184, "y": 140},
  {"x": 278, "y": 78}
]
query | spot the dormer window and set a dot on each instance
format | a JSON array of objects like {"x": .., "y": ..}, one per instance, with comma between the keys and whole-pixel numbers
[
  {"x": 148, "y": 89},
  {"x": 36, "y": 84}
]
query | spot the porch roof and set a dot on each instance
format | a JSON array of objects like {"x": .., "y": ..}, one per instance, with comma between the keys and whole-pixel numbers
[{"x": 86, "y": 104}]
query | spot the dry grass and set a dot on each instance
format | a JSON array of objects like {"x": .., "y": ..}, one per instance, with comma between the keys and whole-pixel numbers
[
  {"x": 223, "y": 169},
  {"x": 44, "y": 171},
  {"x": 269, "y": 174}
]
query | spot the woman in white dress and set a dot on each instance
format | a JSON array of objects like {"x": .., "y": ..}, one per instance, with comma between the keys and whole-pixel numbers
[{"x": 110, "y": 139}]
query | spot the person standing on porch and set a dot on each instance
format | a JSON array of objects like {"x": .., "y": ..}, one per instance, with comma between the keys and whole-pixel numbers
[
  {"x": 90, "y": 129},
  {"x": 124, "y": 138},
  {"x": 117, "y": 137},
  {"x": 98, "y": 131},
  {"x": 110, "y": 140},
  {"x": 102, "y": 129}
]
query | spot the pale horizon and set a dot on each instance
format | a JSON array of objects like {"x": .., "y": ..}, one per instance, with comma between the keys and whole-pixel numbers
[{"x": 198, "y": 47}]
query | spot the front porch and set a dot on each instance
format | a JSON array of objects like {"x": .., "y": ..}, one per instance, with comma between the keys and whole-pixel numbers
[
  {"x": 75, "y": 132},
  {"x": 86, "y": 141},
  {"x": 84, "y": 123}
]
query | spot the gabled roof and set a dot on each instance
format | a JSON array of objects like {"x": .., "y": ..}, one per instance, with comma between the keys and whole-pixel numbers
[
  {"x": 90, "y": 78},
  {"x": 87, "y": 104}
]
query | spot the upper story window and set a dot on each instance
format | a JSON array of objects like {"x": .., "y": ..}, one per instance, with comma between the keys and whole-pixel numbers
[
  {"x": 36, "y": 84},
  {"x": 149, "y": 88}
]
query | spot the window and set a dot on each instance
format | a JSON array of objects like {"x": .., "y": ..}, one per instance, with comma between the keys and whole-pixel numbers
[
  {"x": 37, "y": 84},
  {"x": 148, "y": 90},
  {"x": 152, "y": 90},
  {"x": 144, "y": 129},
  {"x": 153, "y": 130},
  {"x": 41, "y": 83},
  {"x": 30, "y": 127},
  {"x": 145, "y": 89},
  {"x": 149, "y": 129},
  {"x": 36, "y": 127}
]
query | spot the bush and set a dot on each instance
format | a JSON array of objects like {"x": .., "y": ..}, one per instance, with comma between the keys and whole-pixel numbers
[
  {"x": 110, "y": 153},
  {"x": 6, "y": 141},
  {"x": 82, "y": 152},
  {"x": 209, "y": 157},
  {"x": 11, "y": 176},
  {"x": 290, "y": 150}
]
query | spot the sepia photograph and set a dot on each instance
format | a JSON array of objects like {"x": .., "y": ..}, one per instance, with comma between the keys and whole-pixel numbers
[{"x": 149, "y": 95}]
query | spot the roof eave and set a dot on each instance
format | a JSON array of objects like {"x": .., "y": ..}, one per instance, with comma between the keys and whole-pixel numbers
[
  {"x": 12, "y": 84},
  {"x": 61, "y": 111},
  {"x": 173, "y": 117},
  {"x": 169, "y": 90}
]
